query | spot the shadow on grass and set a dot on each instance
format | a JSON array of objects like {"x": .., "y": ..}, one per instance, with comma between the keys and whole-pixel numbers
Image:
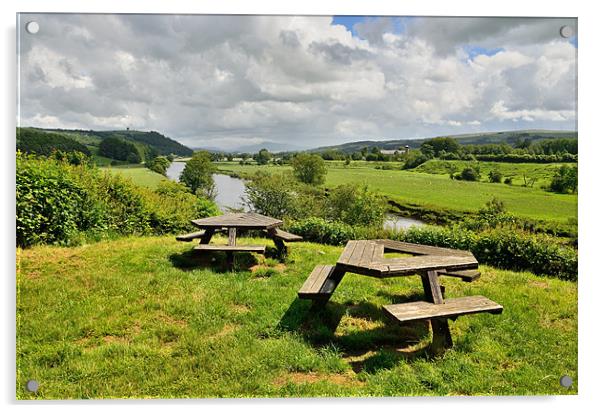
[
  {"x": 216, "y": 261},
  {"x": 372, "y": 343}
]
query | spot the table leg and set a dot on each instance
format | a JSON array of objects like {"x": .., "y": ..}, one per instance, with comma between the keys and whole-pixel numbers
[
  {"x": 434, "y": 293},
  {"x": 279, "y": 243},
  {"x": 207, "y": 236},
  {"x": 232, "y": 236}
]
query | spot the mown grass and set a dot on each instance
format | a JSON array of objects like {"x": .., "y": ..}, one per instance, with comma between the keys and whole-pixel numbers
[
  {"x": 142, "y": 317},
  {"x": 139, "y": 174},
  {"x": 440, "y": 192}
]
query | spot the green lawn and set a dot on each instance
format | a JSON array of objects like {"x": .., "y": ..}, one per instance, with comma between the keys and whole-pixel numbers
[
  {"x": 440, "y": 192},
  {"x": 142, "y": 317},
  {"x": 139, "y": 174}
]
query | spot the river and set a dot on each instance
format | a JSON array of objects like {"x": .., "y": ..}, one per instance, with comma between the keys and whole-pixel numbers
[{"x": 230, "y": 190}]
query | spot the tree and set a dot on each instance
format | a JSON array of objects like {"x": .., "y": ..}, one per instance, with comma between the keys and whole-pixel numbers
[
  {"x": 158, "y": 164},
  {"x": 198, "y": 174},
  {"x": 469, "y": 174},
  {"x": 119, "y": 149},
  {"x": 438, "y": 145},
  {"x": 495, "y": 176},
  {"x": 263, "y": 157},
  {"x": 309, "y": 168},
  {"x": 565, "y": 180}
]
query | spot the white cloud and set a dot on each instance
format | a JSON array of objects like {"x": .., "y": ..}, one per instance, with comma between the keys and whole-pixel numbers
[{"x": 233, "y": 80}]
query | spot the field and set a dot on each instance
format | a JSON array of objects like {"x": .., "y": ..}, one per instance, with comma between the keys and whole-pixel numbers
[
  {"x": 141, "y": 317},
  {"x": 543, "y": 173},
  {"x": 440, "y": 192},
  {"x": 139, "y": 174}
]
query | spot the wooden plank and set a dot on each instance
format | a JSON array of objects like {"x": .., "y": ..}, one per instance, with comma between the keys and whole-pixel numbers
[
  {"x": 419, "y": 249},
  {"x": 190, "y": 237},
  {"x": 248, "y": 248},
  {"x": 366, "y": 258},
  {"x": 421, "y": 263},
  {"x": 244, "y": 220},
  {"x": 286, "y": 236},
  {"x": 232, "y": 236},
  {"x": 435, "y": 292},
  {"x": 378, "y": 253},
  {"x": 349, "y": 248},
  {"x": 453, "y": 307},
  {"x": 464, "y": 275},
  {"x": 316, "y": 280},
  {"x": 356, "y": 256}
]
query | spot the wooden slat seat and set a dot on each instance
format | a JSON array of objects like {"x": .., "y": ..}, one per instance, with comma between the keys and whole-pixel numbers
[
  {"x": 286, "y": 236},
  {"x": 466, "y": 275},
  {"x": 419, "y": 249},
  {"x": 321, "y": 283},
  {"x": 231, "y": 248},
  {"x": 190, "y": 237},
  {"x": 451, "y": 308}
]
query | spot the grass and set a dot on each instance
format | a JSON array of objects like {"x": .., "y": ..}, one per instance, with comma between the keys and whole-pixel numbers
[
  {"x": 440, "y": 192},
  {"x": 542, "y": 173},
  {"x": 142, "y": 317},
  {"x": 139, "y": 174}
]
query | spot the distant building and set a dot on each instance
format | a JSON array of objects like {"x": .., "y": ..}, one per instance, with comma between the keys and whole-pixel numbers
[{"x": 389, "y": 151}]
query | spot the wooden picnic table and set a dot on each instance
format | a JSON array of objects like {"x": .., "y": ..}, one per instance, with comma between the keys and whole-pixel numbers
[
  {"x": 366, "y": 257},
  {"x": 233, "y": 224}
]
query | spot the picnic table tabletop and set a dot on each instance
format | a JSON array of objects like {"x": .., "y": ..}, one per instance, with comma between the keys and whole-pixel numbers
[{"x": 243, "y": 220}]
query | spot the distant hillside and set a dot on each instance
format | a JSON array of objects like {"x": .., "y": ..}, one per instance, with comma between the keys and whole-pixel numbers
[
  {"x": 43, "y": 143},
  {"x": 145, "y": 142},
  {"x": 465, "y": 139}
]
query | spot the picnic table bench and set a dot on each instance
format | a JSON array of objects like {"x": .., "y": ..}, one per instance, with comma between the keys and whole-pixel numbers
[
  {"x": 366, "y": 257},
  {"x": 233, "y": 224}
]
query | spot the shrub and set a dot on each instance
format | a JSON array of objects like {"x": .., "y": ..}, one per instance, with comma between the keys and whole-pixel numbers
[
  {"x": 309, "y": 169},
  {"x": 414, "y": 159},
  {"x": 59, "y": 203},
  {"x": 503, "y": 247},
  {"x": 356, "y": 206},
  {"x": 508, "y": 181},
  {"x": 564, "y": 180},
  {"x": 495, "y": 176},
  {"x": 326, "y": 232},
  {"x": 158, "y": 164},
  {"x": 469, "y": 174},
  {"x": 280, "y": 196}
]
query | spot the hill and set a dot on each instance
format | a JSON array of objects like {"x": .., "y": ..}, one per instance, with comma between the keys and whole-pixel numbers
[
  {"x": 144, "y": 141},
  {"x": 465, "y": 139}
]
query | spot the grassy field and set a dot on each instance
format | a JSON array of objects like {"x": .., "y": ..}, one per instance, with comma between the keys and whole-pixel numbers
[
  {"x": 139, "y": 174},
  {"x": 543, "y": 173},
  {"x": 440, "y": 192},
  {"x": 142, "y": 317}
]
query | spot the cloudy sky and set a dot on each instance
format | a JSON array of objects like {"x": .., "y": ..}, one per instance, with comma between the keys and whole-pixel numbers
[{"x": 231, "y": 81}]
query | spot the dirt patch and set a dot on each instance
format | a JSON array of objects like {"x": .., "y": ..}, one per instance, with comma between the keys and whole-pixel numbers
[
  {"x": 539, "y": 284},
  {"x": 343, "y": 379},
  {"x": 115, "y": 339},
  {"x": 277, "y": 267},
  {"x": 173, "y": 321},
  {"x": 226, "y": 330},
  {"x": 355, "y": 323},
  {"x": 240, "y": 308}
]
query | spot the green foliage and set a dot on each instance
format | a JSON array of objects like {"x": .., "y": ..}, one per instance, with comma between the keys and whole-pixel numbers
[
  {"x": 309, "y": 168},
  {"x": 263, "y": 157},
  {"x": 59, "y": 203},
  {"x": 503, "y": 248},
  {"x": 356, "y": 205},
  {"x": 469, "y": 174},
  {"x": 158, "y": 164},
  {"x": 198, "y": 174},
  {"x": 565, "y": 180},
  {"x": 414, "y": 159},
  {"x": 119, "y": 149},
  {"x": 40, "y": 142},
  {"x": 435, "y": 146},
  {"x": 495, "y": 176},
  {"x": 326, "y": 232},
  {"x": 280, "y": 196}
]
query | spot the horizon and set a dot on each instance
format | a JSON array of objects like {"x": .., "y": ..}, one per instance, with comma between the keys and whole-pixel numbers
[{"x": 306, "y": 82}]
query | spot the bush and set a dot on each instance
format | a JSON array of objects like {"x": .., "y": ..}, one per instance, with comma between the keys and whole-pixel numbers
[
  {"x": 280, "y": 196},
  {"x": 326, "y": 232},
  {"x": 495, "y": 176},
  {"x": 414, "y": 159},
  {"x": 469, "y": 174},
  {"x": 564, "y": 180},
  {"x": 309, "y": 169},
  {"x": 508, "y": 181},
  {"x": 158, "y": 164},
  {"x": 356, "y": 206},
  {"x": 504, "y": 248},
  {"x": 59, "y": 203}
]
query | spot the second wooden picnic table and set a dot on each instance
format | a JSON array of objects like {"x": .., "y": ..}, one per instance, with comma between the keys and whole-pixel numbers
[{"x": 233, "y": 224}]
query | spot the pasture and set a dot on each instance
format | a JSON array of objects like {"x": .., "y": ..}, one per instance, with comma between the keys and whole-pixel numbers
[
  {"x": 139, "y": 174},
  {"x": 142, "y": 317},
  {"x": 438, "y": 191}
]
